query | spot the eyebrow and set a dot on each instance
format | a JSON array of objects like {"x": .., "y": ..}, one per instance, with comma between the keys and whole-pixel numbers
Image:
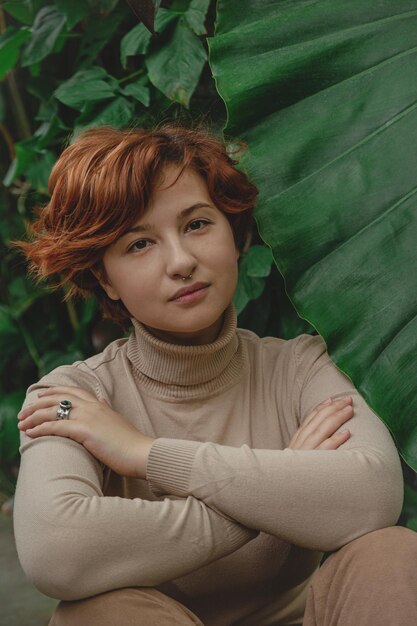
[{"x": 143, "y": 228}]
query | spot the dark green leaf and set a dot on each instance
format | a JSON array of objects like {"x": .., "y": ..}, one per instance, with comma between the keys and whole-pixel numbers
[
  {"x": 98, "y": 31},
  {"x": 253, "y": 267},
  {"x": 86, "y": 86},
  {"x": 259, "y": 261},
  {"x": 10, "y": 406},
  {"x": 145, "y": 10},
  {"x": 38, "y": 172},
  {"x": 2, "y": 104},
  {"x": 176, "y": 67},
  {"x": 19, "y": 10},
  {"x": 103, "y": 5},
  {"x": 54, "y": 359},
  {"x": 139, "y": 92},
  {"x": 22, "y": 294},
  {"x": 324, "y": 94},
  {"x": 74, "y": 11},
  {"x": 118, "y": 113},
  {"x": 137, "y": 40},
  {"x": 10, "y": 43},
  {"x": 25, "y": 153},
  {"x": 196, "y": 16},
  {"x": 47, "y": 26}
]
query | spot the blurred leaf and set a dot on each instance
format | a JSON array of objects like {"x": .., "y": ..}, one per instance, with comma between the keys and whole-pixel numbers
[
  {"x": 196, "y": 16},
  {"x": 106, "y": 6},
  {"x": 176, "y": 67},
  {"x": 410, "y": 501},
  {"x": 254, "y": 266},
  {"x": 145, "y": 10},
  {"x": 22, "y": 294},
  {"x": 38, "y": 172},
  {"x": 10, "y": 406},
  {"x": 91, "y": 85},
  {"x": 412, "y": 523},
  {"x": 19, "y": 10},
  {"x": 324, "y": 95},
  {"x": 47, "y": 26},
  {"x": 10, "y": 43},
  {"x": 2, "y": 104},
  {"x": 25, "y": 153},
  {"x": 74, "y": 11},
  {"x": 55, "y": 358},
  {"x": 259, "y": 261},
  {"x": 139, "y": 92},
  {"x": 118, "y": 113},
  {"x": 98, "y": 32},
  {"x": 137, "y": 40}
]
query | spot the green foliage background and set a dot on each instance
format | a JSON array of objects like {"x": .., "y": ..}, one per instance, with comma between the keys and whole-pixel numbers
[{"x": 67, "y": 65}]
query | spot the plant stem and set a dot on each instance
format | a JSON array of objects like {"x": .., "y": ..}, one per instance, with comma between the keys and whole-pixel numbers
[
  {"x": 72, "y": 314},
  {"x": 30, "y": 344},
  {"x": 137, "y": 73},
  {"x": 18, "y": 108}
]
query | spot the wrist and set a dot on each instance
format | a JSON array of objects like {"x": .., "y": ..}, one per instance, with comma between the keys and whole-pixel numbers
[{"x": 144, "y": 449}]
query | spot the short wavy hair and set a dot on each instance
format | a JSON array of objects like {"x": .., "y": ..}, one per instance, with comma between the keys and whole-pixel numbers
[{"x": 101, "y": 185}]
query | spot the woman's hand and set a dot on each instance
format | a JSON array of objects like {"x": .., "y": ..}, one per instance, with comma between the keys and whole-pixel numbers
[
  {"x": 318, "y": 431},
  {"x": 106, "y": 434}
]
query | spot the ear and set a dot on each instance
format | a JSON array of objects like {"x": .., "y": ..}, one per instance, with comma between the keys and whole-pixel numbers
[{"x": 105, "y": 283}]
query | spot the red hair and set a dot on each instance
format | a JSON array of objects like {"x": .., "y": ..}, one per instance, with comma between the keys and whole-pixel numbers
[{"x": 101, "y": 185}]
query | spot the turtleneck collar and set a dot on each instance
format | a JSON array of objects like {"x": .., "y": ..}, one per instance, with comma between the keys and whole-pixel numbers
[{"x": 182, "y": 371}]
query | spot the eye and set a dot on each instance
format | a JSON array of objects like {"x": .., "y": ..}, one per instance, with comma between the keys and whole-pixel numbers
[
  {"x": 196, "y": 224},
  {"x": 140, "y": 244}
]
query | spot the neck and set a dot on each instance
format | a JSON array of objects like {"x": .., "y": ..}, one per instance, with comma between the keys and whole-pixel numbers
[{"x": 198, "y": 338}]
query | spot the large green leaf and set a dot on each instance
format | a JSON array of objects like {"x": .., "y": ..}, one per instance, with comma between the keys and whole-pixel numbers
[
  {"x": 47, "y": 26},
  {"x": 10, "y": 43},
  {"x": 325, "y": 93},
  {"x": 176, "y": 67},
  {"x": 90, "y": 85}
]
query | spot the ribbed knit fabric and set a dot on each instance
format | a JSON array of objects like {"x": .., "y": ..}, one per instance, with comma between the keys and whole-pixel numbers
[
  {"x": 179, "y": 371},
  {"x": 230, "y": 521}
]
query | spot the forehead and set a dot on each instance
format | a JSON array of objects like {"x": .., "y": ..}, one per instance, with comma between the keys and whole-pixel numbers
[{"x": 175, "y": 186}]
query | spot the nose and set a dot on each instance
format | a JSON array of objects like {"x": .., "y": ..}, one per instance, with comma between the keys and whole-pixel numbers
[{"x": 180, "y": 261}]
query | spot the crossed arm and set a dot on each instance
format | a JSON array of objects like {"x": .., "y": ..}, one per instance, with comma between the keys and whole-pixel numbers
[{"x": 311, "y": 494}]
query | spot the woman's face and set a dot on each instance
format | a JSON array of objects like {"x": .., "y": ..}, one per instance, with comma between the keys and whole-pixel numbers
[{"x": 181, "y": 233}]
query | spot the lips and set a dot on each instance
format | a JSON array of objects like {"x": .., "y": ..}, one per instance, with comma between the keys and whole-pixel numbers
[{"x": 189, "y": 289}]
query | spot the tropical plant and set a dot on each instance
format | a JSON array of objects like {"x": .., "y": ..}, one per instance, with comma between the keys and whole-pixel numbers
[
  {"x": 67, "y": 65},
  {"x": 305, "y": 86}
]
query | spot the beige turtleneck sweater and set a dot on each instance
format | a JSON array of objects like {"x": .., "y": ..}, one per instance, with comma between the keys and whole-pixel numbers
[{"x": 229, "y": 522}]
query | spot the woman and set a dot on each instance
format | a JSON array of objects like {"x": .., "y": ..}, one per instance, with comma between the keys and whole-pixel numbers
[{"x": 194, "y": 473}]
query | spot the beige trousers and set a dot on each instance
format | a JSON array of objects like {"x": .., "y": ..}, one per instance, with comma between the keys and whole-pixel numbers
[{"x": 371, "y": 581}]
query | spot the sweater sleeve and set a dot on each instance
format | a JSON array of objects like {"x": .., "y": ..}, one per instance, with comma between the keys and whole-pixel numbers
[
  {"x": 316, "y": 499},
  {"x": 74, "y": 542}
]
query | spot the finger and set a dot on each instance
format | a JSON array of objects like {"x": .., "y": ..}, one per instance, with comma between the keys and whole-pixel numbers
[
  {"x": 322, "y": 412},
  {"x": 38, "y": 417},
  {"x": 319, "y": 431},
  {"x": 335, "y": 441},
  {"x": 42, "y": 403},
  {"x": 46, "y": 402},
  {"x": 61, "y": 428},
  {"x": 314, "y": 411},
  {"x": 324, "y": 409},
  {"x": 76, "y": 392}
]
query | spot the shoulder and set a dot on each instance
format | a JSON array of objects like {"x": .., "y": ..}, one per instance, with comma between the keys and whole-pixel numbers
[
  {"x": 294, "y": 359},
  {"x": 87, "y": 374},
  {"x": 301, "y": 349}
]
